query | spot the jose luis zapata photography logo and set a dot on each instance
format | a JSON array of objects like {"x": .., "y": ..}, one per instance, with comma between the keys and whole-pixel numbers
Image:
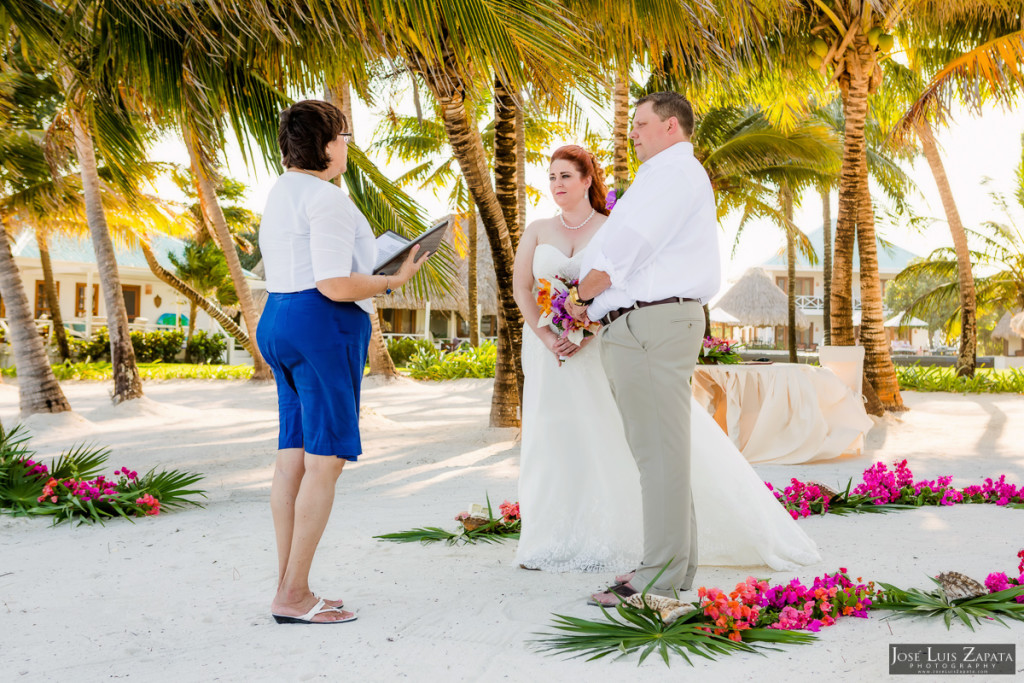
[{"x": 990, "y": 658}]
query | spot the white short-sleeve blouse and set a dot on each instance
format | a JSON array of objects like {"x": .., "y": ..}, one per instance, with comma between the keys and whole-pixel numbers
[{"x": 311, "y": 231}]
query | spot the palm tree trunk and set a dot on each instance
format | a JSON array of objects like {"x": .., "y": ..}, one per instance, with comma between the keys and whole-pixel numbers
[
  {"x": 195, "y": 298},
  {"x": 620, "y": 131},
  {"x": 826, "y": 264},
  {"x": 506, "y": 188},
  {"x": 38, "y": 390},
  {"x": 856, "y": 221},
  {"x": 878, "y": 365},
  {"x": 218, "y": 225},
  {"x": 381, "y": 363},
  {"x": 472, "y": 290},
  {"x": 855, "y": 112},
  {"x": 968, "y": 359},
  {"x": 786, "y": 195},
  {"x": 520, "y": 175},
  {"x": 505, "y": 166},
  {"x": 127, "y": 383},
  {"x": 468, "y": 149},
  {"x": 52, "y": 299}
]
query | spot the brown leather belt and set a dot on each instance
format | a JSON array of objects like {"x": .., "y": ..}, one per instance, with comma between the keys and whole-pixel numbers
[{"x": 618, "y": 313}]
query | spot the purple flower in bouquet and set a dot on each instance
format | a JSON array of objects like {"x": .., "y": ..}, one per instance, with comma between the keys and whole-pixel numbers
[{"x": 609, "y": 201}]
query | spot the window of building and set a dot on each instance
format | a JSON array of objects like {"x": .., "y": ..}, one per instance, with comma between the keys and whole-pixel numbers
[
  {"x": 132, "y": 300},
  {"x": 804, "y": 285},
  {"x": 80, "y": 302},
  {"x": 42, "y": 305}
]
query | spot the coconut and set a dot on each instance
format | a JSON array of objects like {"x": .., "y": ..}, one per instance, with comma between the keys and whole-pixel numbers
[
  {"x": 885, "y": 42},
  {"x": 813, "y": 61},
  {"x": 820, "y": 47},
  {"x": 873, "y": 36}
]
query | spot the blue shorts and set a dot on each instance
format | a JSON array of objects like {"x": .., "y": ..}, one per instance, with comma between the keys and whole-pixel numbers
[{"x": 317, "y": 349}]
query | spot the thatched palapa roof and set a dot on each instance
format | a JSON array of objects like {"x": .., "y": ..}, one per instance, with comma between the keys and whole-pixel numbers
[
  {"x": 1017, "y": 324},
  {"x": 458, "y": 298},
  {"x": 1002, "y": 329},
  {"x": 755, "y": 300}
]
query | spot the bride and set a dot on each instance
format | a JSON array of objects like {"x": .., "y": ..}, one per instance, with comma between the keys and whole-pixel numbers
[{"x": 579, "y": 488}]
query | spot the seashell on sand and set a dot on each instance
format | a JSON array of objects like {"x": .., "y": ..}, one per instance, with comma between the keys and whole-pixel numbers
[
  {"x": 957, "y": 586},
  {"x": 826, "y": 490},
  {"x": 669, "y": 609},
  {"x": 474, "y": 522}
]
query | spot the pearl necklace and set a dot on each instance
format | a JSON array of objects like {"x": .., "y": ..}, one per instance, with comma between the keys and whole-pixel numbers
[{"x": 576, "y": 227}]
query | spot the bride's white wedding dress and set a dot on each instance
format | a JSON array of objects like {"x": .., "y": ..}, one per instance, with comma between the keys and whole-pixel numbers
[{"x": 579, "y": 488}]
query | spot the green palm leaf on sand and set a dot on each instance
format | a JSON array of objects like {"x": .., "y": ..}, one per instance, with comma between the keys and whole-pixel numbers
[{"x": 914, "y": 602}]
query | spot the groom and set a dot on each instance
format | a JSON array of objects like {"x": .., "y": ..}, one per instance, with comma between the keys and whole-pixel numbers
[{"x": 645, "y": 276}]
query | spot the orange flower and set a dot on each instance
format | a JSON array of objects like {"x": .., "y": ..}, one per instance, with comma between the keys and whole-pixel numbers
[{"x": 544, "y": 296}]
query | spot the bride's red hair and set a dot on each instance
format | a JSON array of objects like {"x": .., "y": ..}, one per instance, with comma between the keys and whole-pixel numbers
[{"x": 586, "y": 164}]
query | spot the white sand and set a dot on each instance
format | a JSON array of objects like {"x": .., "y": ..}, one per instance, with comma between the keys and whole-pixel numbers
[{"x": 186, "y": 596}]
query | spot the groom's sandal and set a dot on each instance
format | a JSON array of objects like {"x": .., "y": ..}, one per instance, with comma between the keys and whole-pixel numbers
[
  {"x": 613, "y": 596},
  {"x": 319, "y": 608},
  {"x": 623, "y": 578}
]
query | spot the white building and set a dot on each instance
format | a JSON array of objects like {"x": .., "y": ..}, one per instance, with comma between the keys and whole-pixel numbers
[
  {"x": 150, "y": 303},
  {"x": 810, "y": 292}
]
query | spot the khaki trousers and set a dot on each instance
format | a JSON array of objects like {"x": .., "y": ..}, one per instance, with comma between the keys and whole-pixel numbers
[{"x": 649, "y": 355}]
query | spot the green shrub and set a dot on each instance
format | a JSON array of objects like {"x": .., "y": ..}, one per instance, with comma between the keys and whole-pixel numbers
[
  {"x": 96, "y": 347},
  {"x": 206, "y": 348},
  {"x": 467, "y": 361},
  {"x": 159, "y": 345},
  {"x": 985, "y": 381},
  {"x": 401, "y": 350}
]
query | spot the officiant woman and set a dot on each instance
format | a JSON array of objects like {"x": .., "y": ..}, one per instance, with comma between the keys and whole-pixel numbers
[{"x": 318, "y": 251}]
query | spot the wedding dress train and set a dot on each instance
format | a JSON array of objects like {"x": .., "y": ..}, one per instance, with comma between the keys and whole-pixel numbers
[{"x": 579, "y": 488}]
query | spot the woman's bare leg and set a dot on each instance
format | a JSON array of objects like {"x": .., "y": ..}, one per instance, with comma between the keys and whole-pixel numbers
[
  {"x": 310, "y": 509},
  {"x": 287, "y": 476}
]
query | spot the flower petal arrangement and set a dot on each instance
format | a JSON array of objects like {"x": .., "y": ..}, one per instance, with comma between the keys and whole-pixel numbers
[
  {"x": 757, "y": 612},
  {"x": 479, "y": 524},
  {"x": 72, "y": 488},
  {"x": 716, "y": 351},
  {"x": 551, "y": 297},
  {"x": 885, "y": 490}
]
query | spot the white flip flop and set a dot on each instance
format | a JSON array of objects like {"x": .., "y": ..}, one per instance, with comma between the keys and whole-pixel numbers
[{"x": 307, "y": 618}]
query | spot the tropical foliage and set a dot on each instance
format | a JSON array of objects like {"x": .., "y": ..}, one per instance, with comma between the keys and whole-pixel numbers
[
  {"x": 466, "y": 361},
  {"x": 73, "y": 488},
  {"x": 479, "y": 524}
]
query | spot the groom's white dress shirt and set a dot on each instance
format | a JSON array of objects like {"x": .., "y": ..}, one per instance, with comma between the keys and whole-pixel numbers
[{"x": 661, "y": 238}]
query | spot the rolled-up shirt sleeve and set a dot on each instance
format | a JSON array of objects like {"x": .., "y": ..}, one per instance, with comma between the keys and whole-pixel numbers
[{"x": 332, "y": 235}]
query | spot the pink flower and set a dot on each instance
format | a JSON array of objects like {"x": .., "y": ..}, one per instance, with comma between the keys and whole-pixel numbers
[{"x": 149, "y": 501}]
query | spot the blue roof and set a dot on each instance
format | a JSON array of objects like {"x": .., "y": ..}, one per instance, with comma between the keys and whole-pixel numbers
[
  {"x": 890, "y": 257},
  {"x": 78, "y": 249}
]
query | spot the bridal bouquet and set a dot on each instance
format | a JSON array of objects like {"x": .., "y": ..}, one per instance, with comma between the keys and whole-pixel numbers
[{"x": 551, "y": 297}]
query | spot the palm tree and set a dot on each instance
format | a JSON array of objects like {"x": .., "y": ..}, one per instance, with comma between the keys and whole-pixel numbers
[
  {"x": 413, "y": 138},
  {"x": 761, "y": 170},
  {"x": 65, "y": 37},
  {"x": 203, "y": 267},
  {"x": 979, "y": 65},
  {"x": 1000, "y": 253}
]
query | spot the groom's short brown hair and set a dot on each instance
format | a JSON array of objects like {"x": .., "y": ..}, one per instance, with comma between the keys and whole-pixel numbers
[{"x": 667, "y": 104}]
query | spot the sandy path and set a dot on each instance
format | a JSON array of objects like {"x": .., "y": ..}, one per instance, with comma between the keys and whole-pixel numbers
[{"x": 185, "y": 596}]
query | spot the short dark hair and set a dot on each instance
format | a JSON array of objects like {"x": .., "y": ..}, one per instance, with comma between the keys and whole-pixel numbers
[
  {"x": 668, "y": 104},
  {"x": 304, "y": 131}
]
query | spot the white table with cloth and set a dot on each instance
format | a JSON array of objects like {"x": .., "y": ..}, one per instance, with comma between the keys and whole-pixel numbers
[{"x": 783, "y": 413}]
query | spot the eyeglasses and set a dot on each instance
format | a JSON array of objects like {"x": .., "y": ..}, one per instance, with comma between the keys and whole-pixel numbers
[{"x": 347, "y": 136}]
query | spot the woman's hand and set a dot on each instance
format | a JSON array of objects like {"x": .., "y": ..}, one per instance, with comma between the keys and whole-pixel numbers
[
  {"x": 560, "y": 346},
  {"x": 410, "y": 267}
]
